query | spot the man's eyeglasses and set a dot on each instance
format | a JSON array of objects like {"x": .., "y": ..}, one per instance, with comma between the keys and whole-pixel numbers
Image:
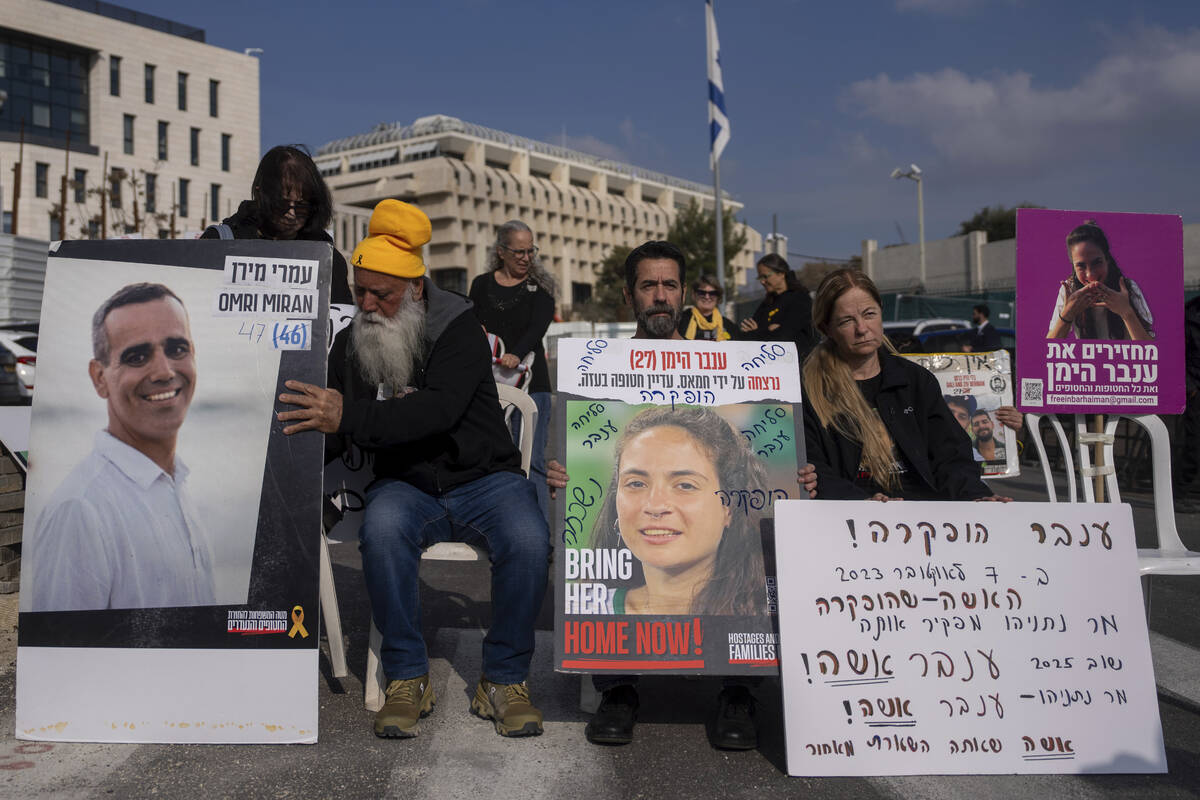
[
  {"x": 530, "y": 253},
  {"x": 706, "y": 293}
]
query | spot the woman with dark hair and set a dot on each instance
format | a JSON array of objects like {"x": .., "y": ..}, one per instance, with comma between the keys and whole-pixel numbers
[
  {"x": 514, "y": 299},
  {"x": 1097, "y": 301},
  {"x": 692, "y": 553},
  {"x": 702, "y": 319},
  {"x": 288, "y": 200},
  {"x": 875, "y": 424},
  {"x": 785, "y": 314}
]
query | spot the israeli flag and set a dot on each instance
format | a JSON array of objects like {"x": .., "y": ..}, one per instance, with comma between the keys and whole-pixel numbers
[{"x": 718, "y": 123}]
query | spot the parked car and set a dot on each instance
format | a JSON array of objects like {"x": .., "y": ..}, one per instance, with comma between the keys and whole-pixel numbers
[
  {"x": 952, "y": 341},
  {"x": 22, "y": 340},
  {"x": 10, "y": 384},
  {"x": 904, "y": 333}
]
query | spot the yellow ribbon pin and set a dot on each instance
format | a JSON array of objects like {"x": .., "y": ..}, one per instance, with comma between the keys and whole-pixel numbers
[{"x": 298, "y": 623}]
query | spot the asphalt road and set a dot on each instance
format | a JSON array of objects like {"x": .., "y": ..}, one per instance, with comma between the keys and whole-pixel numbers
[{"x": 457, "y": 755}]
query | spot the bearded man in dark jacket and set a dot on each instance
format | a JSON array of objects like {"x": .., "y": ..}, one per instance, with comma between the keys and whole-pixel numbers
[{"x": 411, "y": 383}]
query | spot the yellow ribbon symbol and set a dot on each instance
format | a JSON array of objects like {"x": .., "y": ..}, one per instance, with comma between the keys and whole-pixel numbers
[{"x": 298, "y": 623}]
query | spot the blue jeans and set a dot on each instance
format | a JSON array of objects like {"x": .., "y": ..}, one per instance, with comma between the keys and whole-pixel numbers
[
  {"x": 537, "y": 463},
  {"x": 498, "y": 511}
]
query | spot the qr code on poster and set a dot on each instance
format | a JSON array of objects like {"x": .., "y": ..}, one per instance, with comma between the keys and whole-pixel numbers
[
  {"x": 1031, "y": 391},
  {"x": 772, "y": 595}
]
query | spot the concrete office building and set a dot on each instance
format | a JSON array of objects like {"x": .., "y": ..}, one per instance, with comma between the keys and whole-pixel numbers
[
  {"x": 470, "y": 179},
  {"x": 175, "y": 119}
]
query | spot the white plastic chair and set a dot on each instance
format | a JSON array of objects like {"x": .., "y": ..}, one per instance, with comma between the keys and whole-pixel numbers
[
  {"x": 375, "y": 682},
  {"x": 1170, "y": 557},
  {"x": 1034, "y": 420}
]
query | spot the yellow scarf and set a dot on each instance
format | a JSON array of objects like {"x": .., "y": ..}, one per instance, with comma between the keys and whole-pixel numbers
[{"x": 699, "y": 322}]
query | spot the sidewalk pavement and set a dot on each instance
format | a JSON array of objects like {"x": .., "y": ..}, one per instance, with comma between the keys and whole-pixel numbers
[{"x": 460, "y": 756}]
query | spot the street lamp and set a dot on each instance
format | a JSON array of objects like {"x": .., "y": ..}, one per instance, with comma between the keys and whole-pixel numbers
[{"x": 914, "y": 172}]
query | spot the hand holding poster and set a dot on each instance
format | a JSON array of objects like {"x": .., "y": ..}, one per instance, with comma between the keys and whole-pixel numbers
[
  {"x": 951, "y": 638},
  {"x": 675, "y": 465},
  {"x": 974, "y": 385},
  {"x": 1100, "y": 308}
]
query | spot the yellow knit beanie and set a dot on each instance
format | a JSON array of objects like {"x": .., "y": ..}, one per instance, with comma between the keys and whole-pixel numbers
[{"x": 393, "y": 244}]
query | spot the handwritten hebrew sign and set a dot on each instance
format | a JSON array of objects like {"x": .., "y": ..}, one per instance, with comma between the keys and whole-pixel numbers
[
  {"x": 956, "y": 638},
  {"x": 666, "y": 372},
  {"x": 1099, "y": 318},
  {"x": 673, "y": 484}
]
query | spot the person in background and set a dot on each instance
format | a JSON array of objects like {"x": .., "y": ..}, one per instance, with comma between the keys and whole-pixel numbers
[
  {"x": 514, "y": 300},
  {"x": 785, "y": 314},
  {"x": 288, "y": 200},
  {"x": 985, "y": 338},
  {"x": 702, "y": 319}
]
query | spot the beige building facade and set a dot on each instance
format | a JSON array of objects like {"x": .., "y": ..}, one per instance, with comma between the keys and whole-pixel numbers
[
  {"x": 470, "y": 179},
  {"x": 164, "y": 128}
]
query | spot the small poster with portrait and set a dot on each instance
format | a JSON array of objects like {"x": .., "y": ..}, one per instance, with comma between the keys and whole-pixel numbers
[
  {"x": 171, "y": 544},
  {"x": 677, "y": 452},
  {"x": 1099, "y": 311},
  {"x": 974, "y": 386}
]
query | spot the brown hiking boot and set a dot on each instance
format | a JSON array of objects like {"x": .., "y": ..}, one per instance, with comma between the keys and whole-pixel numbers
[
  {"x": 508, "y": 705},
  {"x": 407, "y": 702}
]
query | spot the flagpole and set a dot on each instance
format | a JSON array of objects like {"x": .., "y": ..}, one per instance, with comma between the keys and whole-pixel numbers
[
  {"x": 720, "y": 223},
  {"x": 718, "y": 130}
]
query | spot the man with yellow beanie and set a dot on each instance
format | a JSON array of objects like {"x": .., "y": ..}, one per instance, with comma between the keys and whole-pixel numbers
[{"x": 410, "y": 382}]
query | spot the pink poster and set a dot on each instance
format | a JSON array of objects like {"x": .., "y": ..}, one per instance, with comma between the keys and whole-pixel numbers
[{"x": 1099, "y": 312}]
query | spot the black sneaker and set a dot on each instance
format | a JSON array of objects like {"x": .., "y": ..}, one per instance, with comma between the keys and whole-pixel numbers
[
  {"x": 734, "y": 728},
  {"x": 613, "y": 721}
]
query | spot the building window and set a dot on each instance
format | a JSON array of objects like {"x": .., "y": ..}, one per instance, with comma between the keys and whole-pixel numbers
[
  {"x": 114, "y": 187},
  {"x": 42, "y": 179},
  {"x": 162, "y": 141},
  {"x": 453, "y": 279},
  {"x": 183, "y": 76},
  {"x": 212, "y": 97},
  {"x": 195, "y": 147},
  {"x": 580, "y": 293},
  {"x": 114, "y": 76},
  {"x": 151, "y": 193},
  {"x": 129, "y": 134},
  {"x": 214, "y": 194},
  {"x": 55, "y": 228},
  {"x": 225, "y": 141},
  {"x": 80, "y": 185},
  {"x": 149, "y": 83},
  {"x": 184, "y": 183},
  {"x": 6, "y": 225},
  {"x": 45, "y": 87}
]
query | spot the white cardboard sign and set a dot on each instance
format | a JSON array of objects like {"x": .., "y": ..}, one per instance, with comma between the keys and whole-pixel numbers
[{"x": 963, "y": 638}]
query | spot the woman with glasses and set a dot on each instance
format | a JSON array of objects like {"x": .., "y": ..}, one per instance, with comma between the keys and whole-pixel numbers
[
  {"x": 702, "y": 319},
  {"x": 785, "y": 314},
  {"x": 514, "y": 300},
  {"x": 289, "y": 200}
]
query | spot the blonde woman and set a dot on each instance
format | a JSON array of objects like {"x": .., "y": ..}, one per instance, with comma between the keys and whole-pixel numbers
[{"x": 875, "y": 424}]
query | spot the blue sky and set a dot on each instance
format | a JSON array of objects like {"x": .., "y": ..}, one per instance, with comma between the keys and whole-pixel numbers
[{"x": 1086, "y": 105}]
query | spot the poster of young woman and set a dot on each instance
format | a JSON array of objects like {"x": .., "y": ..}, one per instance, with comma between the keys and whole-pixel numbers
[
  {"x": 662, "y": 563},
  {"x": 1099, "y": 312},
  {"x": 974, "y": 385},
  {"x": 171, "y": 542}
]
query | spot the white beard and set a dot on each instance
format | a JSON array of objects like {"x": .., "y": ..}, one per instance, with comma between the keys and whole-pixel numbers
[{"x": 387, "y": 348}]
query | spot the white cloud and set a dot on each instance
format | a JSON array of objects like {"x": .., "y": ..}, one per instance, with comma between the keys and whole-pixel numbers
[{"x": 1146, "y": 91}]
